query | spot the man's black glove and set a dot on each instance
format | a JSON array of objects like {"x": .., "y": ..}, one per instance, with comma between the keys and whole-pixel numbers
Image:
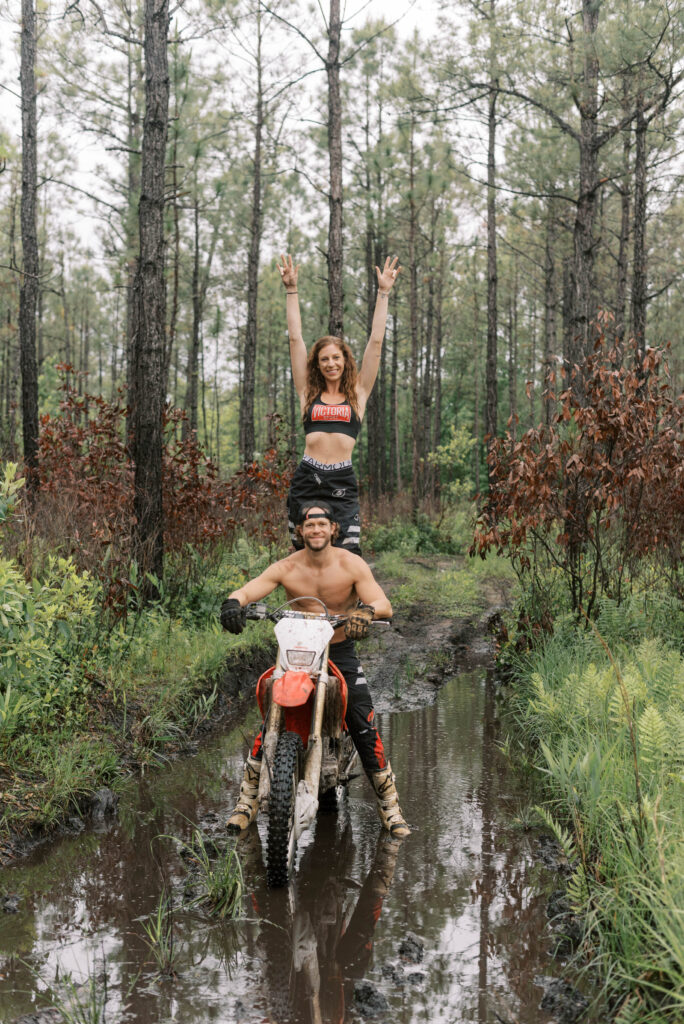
[
  {"x": 233, "y": 616},
  {"x": 359, "y": 621}
]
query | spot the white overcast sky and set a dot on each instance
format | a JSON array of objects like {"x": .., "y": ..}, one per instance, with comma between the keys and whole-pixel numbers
[{"x": 410, "y": 16}]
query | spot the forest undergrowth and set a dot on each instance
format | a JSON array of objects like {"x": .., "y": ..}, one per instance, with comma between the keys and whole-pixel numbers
[
  {"x": 97, "y": 684},
  {"x": 599, "y": 710},
  {"x": 589, "y": 511}
]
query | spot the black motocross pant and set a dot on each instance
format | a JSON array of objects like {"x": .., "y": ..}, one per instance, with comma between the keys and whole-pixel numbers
[
  {"x": 360, "y": 717},
  {"x": 336, "y": 484}
]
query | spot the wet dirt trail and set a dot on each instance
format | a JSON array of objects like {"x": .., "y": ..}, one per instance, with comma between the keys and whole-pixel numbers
[{"x": 448, "y": 925}]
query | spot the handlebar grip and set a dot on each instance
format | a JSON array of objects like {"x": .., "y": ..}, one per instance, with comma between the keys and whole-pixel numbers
[{"x": 256, "y": 611}]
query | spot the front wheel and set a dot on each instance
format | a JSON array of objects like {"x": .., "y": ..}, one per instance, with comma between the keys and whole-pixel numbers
[{"x": 282, "y": 842}]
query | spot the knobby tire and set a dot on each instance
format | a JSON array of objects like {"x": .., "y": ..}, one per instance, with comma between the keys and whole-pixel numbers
[{"x": 281, "y": 805}]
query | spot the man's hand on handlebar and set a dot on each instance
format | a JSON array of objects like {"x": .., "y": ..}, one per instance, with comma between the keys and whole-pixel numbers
[
  {"x": 359, "y": 622},
  {"x": 233, "y": 616}
]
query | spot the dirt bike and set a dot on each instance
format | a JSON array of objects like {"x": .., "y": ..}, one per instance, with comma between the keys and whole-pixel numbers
[{"x": 307, "y": 751}]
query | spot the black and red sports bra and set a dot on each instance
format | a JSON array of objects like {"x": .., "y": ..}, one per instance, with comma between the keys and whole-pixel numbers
[{"x": 331, "y": 419}]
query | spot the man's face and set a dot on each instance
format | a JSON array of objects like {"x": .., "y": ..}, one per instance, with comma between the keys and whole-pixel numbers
[{"x": 316, "y": 532}]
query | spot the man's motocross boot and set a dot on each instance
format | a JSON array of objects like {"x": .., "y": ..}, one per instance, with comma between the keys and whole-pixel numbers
[
  {"x": 248, "y": 801},
  {"x": 388, "y": 802}
]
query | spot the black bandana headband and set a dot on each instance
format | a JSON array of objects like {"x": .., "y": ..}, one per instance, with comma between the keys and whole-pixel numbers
[{"x": 316, "y": 511}]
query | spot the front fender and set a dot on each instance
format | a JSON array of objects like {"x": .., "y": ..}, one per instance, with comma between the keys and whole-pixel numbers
[{"x": 293, "y": 689}]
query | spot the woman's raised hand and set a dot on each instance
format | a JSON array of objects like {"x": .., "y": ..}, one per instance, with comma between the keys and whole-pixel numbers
[
  {"x": 288, "y": 273},
  {"x": 388, "y": 275}
]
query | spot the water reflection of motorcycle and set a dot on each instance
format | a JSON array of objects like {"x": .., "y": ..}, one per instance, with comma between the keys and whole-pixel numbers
[
  {"x": 306, "y": 749},
  {"x": 316, "y": 938}
]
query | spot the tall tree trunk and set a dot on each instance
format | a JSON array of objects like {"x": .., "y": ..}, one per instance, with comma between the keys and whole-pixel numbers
[
  {"x": 394, "y": 465},
  {"x": 638, "y": 310},
  {"x": 173, "y": 318},
  {"x": 373, "y": 445},
  {"x": 28, "y": 298},
  {"x": 439, "y": 326},
  {"x": 150, "y": 294},
  {"x": 568, "y": 296},
  {"x": 247, "y": 404},
  {"x": 192, "y": 397},
  {"x": 625, "y": 227},
  {"x": 512, "y": 364},
  {"x": 413, "y": 318},
  {"x": 131, "y": 216},
  {"x": 476, "y": 374},
  {"x": 427, "y": 384},
  {"x": 491, "y": 391},
  {"x": 533, "y": 362},
  {"x": 584, "y": 308},
  {"x": 372, "y": 406},
  {"x": 335, "y": 256}
]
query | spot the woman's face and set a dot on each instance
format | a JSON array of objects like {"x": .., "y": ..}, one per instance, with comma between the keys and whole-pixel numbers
[{"x": 331, "y": 362}]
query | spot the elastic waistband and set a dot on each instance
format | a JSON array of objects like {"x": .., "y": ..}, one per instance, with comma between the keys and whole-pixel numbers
[{"x": 346, "y": 464}]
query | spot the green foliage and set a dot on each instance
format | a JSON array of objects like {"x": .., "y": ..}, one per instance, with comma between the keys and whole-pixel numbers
[
  {"x": 10, "y": 488},
  {"x": 453, "y": 459},
  {"x": 46, "y": 627},
  {"x": 217, "y": 872},
  {"x": 71, "y": 679},
  {"x": 605, "y": 726},
  {"x": 452, "y": 589},
  {"x": 450, "y": 535},
  {"x": 159, "y": 935},
  {"x": 81, "y": 1004}
]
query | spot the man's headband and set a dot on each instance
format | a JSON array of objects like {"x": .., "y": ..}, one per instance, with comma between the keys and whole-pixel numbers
[{"x": 315, "y": 510}]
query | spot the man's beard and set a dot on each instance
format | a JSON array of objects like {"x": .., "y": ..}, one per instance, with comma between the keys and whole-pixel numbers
[{"x": 321, "y": 543}]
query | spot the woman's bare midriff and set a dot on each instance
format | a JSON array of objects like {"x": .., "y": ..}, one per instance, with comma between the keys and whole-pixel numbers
[{"x": 329, "y": 448}]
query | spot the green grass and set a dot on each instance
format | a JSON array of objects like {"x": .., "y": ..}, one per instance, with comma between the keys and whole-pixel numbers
[
  {"x": 159, "y": 935},
  {"x": 217, "y": 873},
  {"x": 602, "y": 716},
  {"x": 83, "y": 699},
  {"x": 455, "y": 588}
]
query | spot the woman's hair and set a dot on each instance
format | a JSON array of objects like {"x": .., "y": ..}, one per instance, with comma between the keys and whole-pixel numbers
[{"x": 315, "y": 381}]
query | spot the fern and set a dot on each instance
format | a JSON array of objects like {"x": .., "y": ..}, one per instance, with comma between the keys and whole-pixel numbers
[
  {"x": 562, "y": 836},
  {"x": 545, "y": 704},
  {"x": 674, "y": 719},
  {"x": 653, "y": 736}
]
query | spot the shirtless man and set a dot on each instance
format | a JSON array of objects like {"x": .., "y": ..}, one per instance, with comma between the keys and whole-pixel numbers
[{"x": 345, "y": 584}]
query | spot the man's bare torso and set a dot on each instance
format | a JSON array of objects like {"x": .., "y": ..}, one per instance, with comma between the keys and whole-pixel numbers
[{"x": 334, "y": 583}]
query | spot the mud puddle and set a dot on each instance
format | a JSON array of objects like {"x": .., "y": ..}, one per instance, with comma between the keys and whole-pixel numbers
[{"x": 449, "y": 925}]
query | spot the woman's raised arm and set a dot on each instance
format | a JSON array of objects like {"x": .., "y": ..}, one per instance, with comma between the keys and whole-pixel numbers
[
  {"x": 289, "y": 273},
  {"x": 371, "y": 357}
]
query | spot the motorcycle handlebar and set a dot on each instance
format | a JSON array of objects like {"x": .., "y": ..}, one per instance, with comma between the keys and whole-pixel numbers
[{"x": 257, "y": 611}]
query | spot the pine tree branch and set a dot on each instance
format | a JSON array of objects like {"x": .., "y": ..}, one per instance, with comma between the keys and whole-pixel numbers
[{"x": 289, "y": 24}]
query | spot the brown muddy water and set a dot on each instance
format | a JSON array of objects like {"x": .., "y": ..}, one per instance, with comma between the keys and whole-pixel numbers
[{"x": 339, "y": 942}]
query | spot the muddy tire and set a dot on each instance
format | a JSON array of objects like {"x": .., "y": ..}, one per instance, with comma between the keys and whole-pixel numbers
[{"x": 281, "y": 845}]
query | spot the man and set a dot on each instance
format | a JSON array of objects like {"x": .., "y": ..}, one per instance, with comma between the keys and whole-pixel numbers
[{"x": 345, "y": 584}]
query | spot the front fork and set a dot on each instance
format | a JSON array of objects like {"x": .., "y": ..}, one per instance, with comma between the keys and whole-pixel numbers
[
  {"x": 274, "y": 726},
  {"x": 314, "y": 748}
]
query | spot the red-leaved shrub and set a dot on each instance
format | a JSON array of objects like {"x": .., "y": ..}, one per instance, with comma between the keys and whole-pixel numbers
[
  {"x": 84, "y": 505},
  {"x": 600, "y": 493}
]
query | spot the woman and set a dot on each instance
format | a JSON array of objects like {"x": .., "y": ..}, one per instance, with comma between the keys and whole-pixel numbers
[{"x": 332, "y": 399}]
